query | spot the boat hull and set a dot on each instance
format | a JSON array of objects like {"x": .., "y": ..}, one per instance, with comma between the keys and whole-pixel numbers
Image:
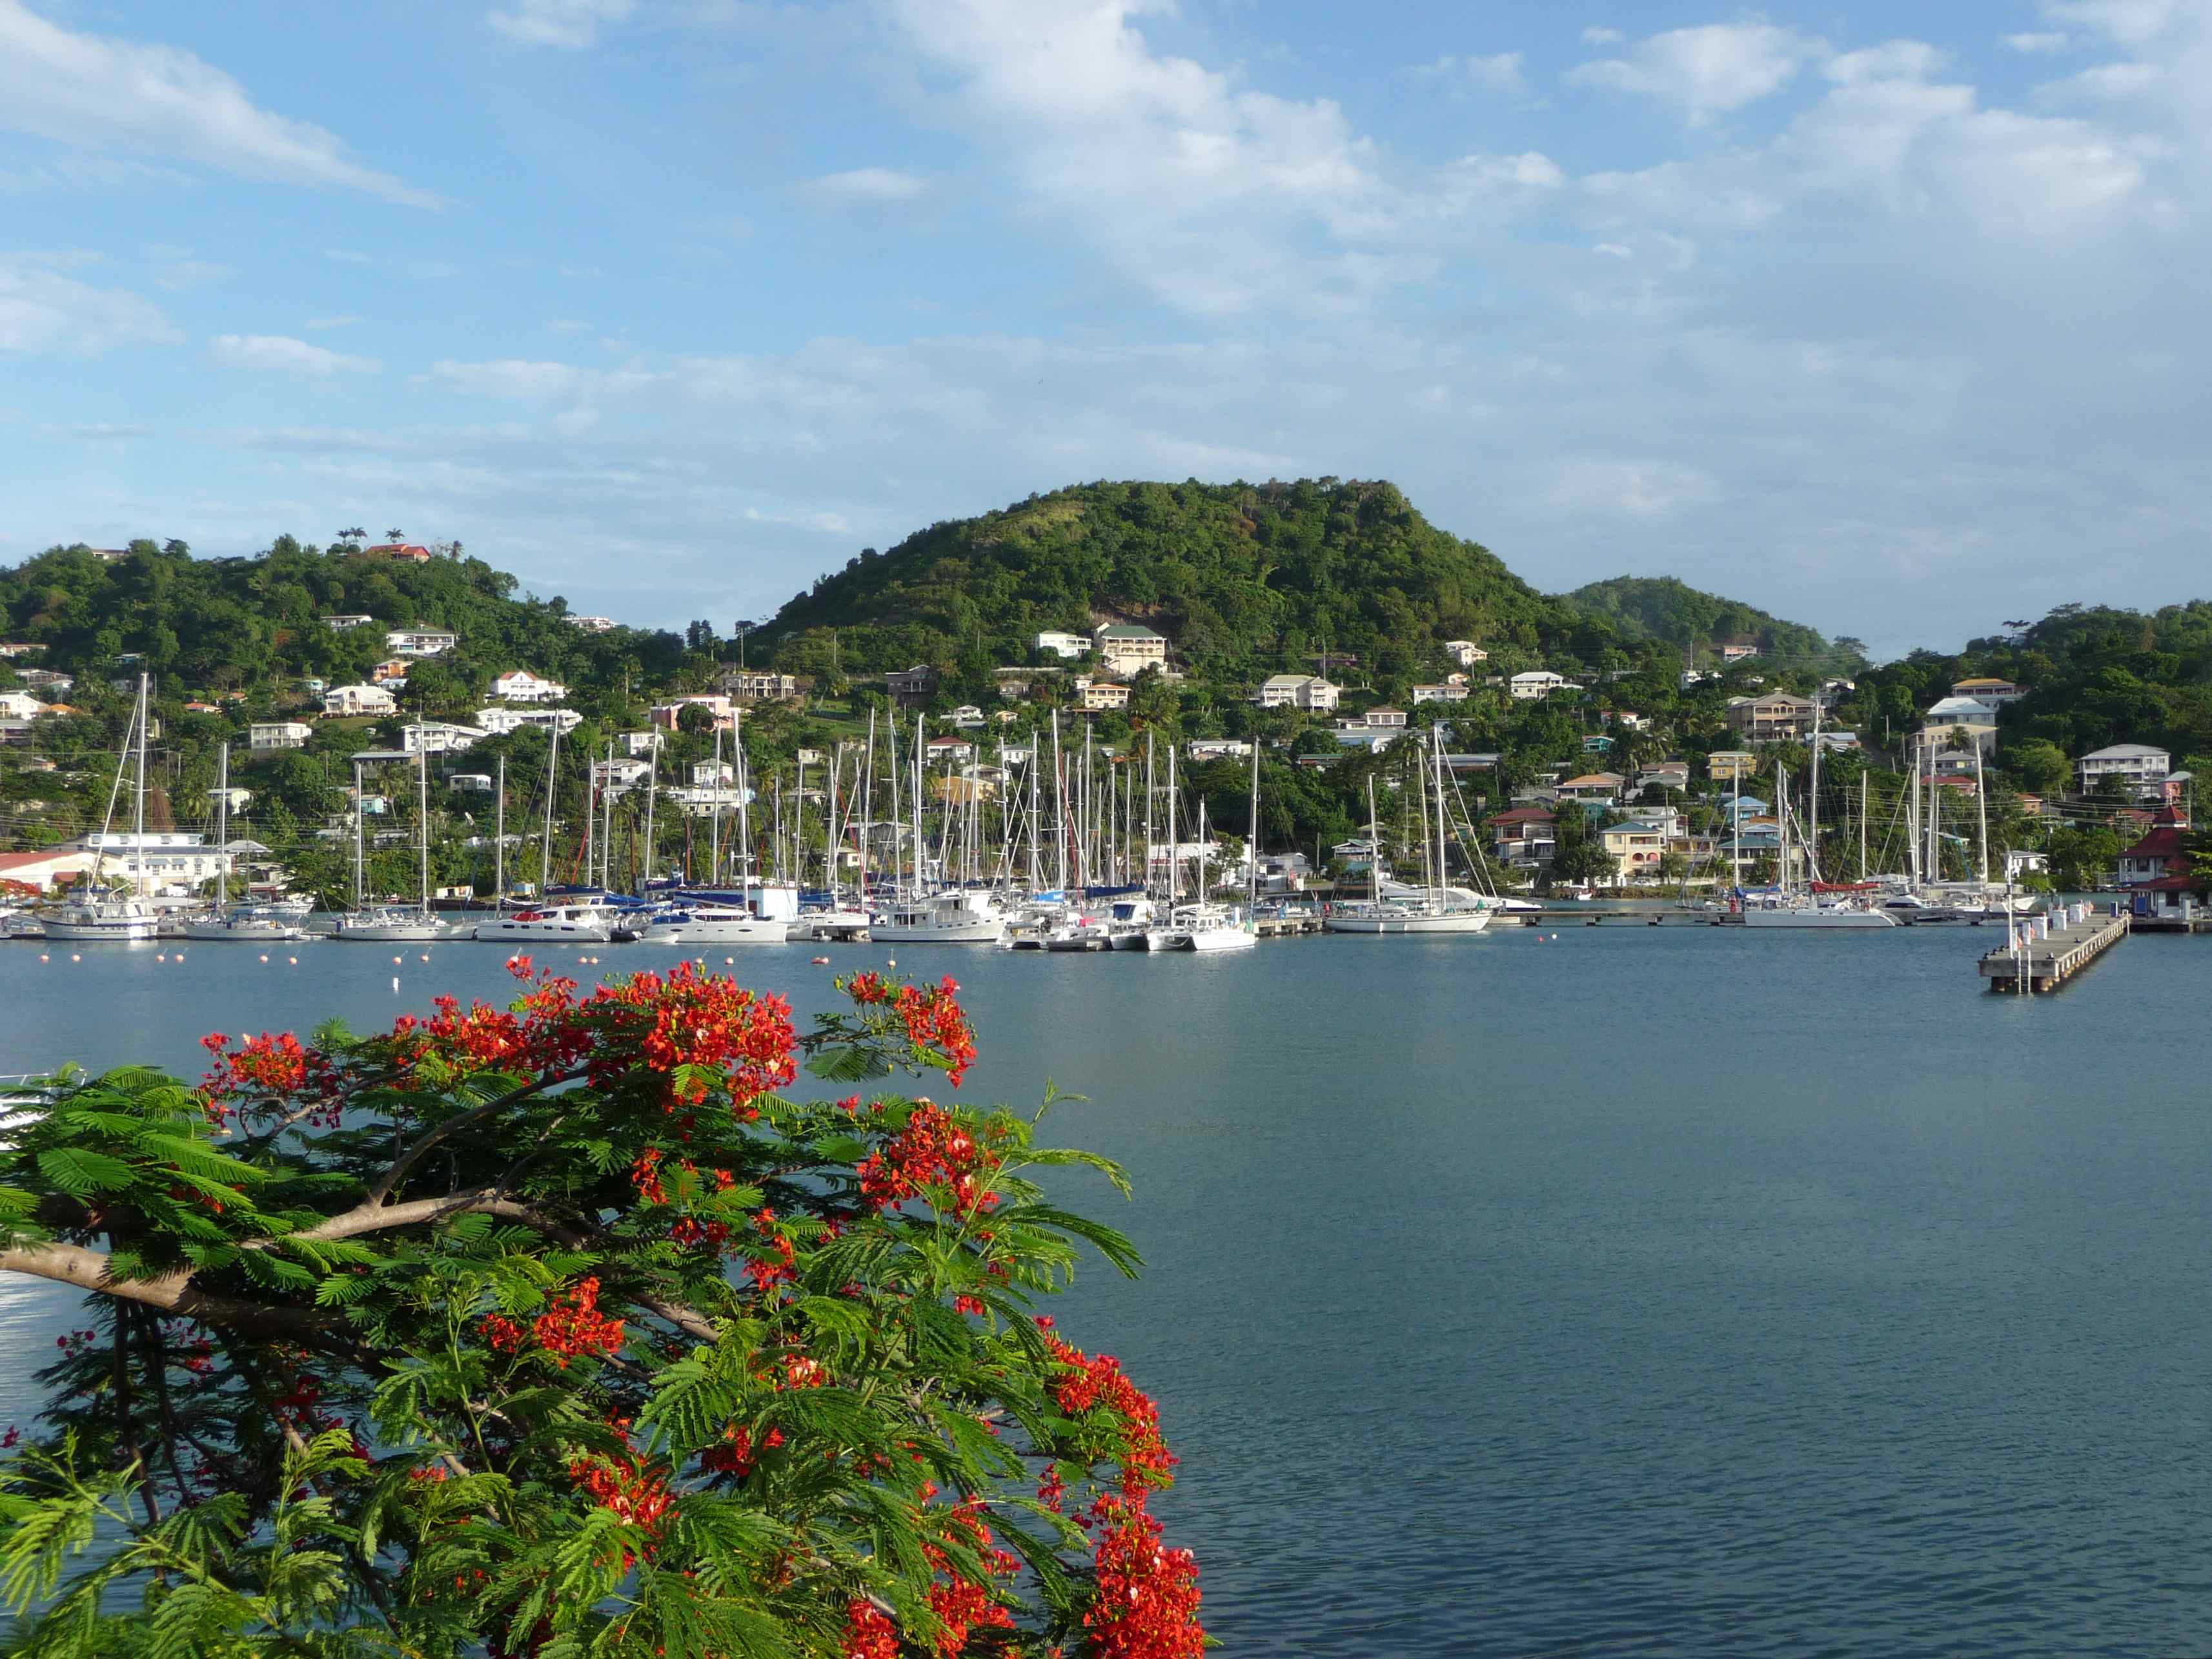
[
  {"x": 983, "y": 930},
  {"x": 1428, "y": 924},
  {"x": 1214, "y": 941},
  {"x": 392, "y": 932},
  {"x": 544, "y": 933},
  {"x": 751, "y": 930},
  {"x": 1825, "y": 920},
  {"x": 125, "y": 930}
]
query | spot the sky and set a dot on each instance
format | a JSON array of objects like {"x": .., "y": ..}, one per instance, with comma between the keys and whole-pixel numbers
[{"x": 1886, "y": 317}]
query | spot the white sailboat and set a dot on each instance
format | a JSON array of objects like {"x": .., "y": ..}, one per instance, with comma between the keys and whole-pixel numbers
[
  {"x": 1787, "y": 908},
  {"x": 394, "y": 924},
  {"x": 119, "y": 917},
  {"x": 228, "y": 923},
  {"x": 1435, "y": 908}
]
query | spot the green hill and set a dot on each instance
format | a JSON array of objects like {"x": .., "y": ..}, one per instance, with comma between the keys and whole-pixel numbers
[
  {"x": 1664, "y": 609},
  {"x": 1245, "y": 579}
]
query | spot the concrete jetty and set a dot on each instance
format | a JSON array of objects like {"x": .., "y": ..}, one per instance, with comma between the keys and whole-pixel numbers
[{"x": 2047, "y": 952}]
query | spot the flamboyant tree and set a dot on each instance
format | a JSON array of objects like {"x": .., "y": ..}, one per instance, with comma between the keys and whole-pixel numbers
[{"x": 561, "y": 1329}]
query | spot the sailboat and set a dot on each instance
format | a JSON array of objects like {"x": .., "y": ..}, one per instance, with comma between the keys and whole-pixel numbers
[
  {"x": 1208, "y": 927},
  {"x": 394, "y": 924},
  {"x": 240, "y": 923},
  {"x": 1786, "y": 908},
  {"x": 115, "y": 916},
  {"x": 542, "y": 923},
  {"x": 956, "y": 916},
  {"x": 1436, "y": 906}
]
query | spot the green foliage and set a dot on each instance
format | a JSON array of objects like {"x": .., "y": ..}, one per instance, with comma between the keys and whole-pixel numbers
[{"x": 1663, "y": 608}]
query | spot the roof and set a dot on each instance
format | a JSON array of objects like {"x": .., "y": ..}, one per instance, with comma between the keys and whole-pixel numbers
[
  {"x": 2123, "y": 751},
  {"x": 1980, "y": 679},
  {"x": 1609, "y": 779},
  {"x": 2163, "y": 842},
  {"x": 1128, "y": 631},
  {"x": 1959, "y": 706},
  {"x": 1524, "y": 815}
]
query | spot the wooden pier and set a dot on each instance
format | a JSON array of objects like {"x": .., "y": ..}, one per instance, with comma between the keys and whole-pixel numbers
[{"x": 2038, "y": 966}]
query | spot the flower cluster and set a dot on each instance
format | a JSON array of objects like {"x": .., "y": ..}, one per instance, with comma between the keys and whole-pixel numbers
[
  {"x": 868, "y": 1633},
  {"x": 265, "y": 1066},
  {"x": 1147, "y": 1601},
  {"x": 1096, "y": 1383},
  {"x": 932, "y": 1153},
  {"x": 739, "y": 1450},
  {"x": 700, "y": 1019},
  {"x": 935, "y": 1020},
  {"x": 635, "y": 1494},
  {"x": 961, "y": 1604},
  {"x": 572, "y": 1327}
]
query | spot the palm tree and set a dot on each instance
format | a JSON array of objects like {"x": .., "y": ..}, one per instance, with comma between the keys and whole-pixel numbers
[{"x": 395, "y": 535}]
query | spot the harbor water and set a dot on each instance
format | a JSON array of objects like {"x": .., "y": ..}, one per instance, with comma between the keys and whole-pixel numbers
[{"x": 1587, "y": 1291}]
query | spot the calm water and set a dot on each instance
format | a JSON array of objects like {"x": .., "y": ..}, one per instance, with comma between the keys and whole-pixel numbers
[{"x": 1674, "y": 1290}]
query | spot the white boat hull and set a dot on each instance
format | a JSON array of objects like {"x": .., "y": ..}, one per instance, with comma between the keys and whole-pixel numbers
[
  {"x": 213, "y": 932},
  {"x": 392, "y": 932},
  {"x": 750, "y": 930},
  {"x": 1475, "y": 923},
  {"x": 1213, "y": 940},
  {"x": 511, "y": 932},
  {"x": 1819, "y": 918},
  {"x": 122, "y": 930},
  {"x": 979, "y": 930}
]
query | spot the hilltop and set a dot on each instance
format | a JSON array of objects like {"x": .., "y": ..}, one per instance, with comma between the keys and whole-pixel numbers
[{"x": 1246, "y": 580}]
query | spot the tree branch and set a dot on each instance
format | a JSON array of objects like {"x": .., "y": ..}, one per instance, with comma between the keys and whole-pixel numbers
[
  {"x": 389, "y": 1180},
  {"x": 172, "y": 1292}
]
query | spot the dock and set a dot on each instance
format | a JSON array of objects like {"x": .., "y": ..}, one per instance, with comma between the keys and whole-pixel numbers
[
  {"x": 1286, "y": 926},
  {"x": 2040, "y": 964}
]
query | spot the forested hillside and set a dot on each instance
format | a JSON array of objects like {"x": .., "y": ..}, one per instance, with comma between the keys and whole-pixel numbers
[{"x": 1663, "y": 608}]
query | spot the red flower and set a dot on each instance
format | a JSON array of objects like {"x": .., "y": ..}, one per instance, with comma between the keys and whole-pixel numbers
[
  {"x": 1147, "y": 1602},
  {"x": 575, "y": 1326},
  {"x": 868, "y": 1634}
]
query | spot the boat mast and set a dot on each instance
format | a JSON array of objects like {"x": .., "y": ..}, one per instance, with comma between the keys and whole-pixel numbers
[
  {"x": 1444, "y": 867},
  {"x": 1174, "y": 842},
  {"x": 552, "y": 779},
  {"x": 1812, "y": 797},
  {"x": 422, "y": 814},
  {"x": 714, "y": 818},
  {"x": 1374, "y": 842},
  {"x": 1781, "y": 825},
  {"x": 1148, "y": 812},
  {"x": 1866, "y": 778},
  {"x": 1982, "y": 809},
  {"x": 745, "y": 810},
  {"x": 357, "y": 850},
  {"x": 138, "y": 813},
  {"x": 652, "y": 789},
  {"x": 499, "y": 841},
  {"x": 1252, "y": 850},
  {"x": 1059, "y": 803},
  {"x": 222, "y": 830}
]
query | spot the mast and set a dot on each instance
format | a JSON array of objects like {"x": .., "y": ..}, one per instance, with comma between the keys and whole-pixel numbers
[
  {"x": 357, "y": 850},
  {"x": 1252, "y": 850},
  {"x": 1782, "y": 824},
  {"x": 1374, "y": 842},
  {"x": 1812, "y": 797},
  {"x": 1982, "y": 810},
  {"x": 606, "y": 870},
  {"x": 222, "y": 830},
  {"x": 867, "y": 800},
  {"x": 1059, "y": 803},
  {"x": 422, "y": 814},
  {"x": 138, "y": 812},
  {"x": 499, "y": 842},
  {"x": 552, "y": 778},
  {"x": 1444, "y": 868},
  {"x": 1148, "y": 810},
  {"x": 714, "y": 818},
  {"x": 1866, "y": 779},
  {"x": 652, "y": 789},
  {"x": 744, "y": 811},
  {"x": 1174, "y": 842}
]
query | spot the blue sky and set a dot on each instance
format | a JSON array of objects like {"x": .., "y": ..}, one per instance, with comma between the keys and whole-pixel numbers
[{"x": 1886, "y": 318}]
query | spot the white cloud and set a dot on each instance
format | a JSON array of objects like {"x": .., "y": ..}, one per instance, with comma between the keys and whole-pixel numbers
[
  {"x": 320, "y": 323},
  {"x": 2037, "y": 45},
  {"x": 1895, "y": 60},
  {"x": 570, "y": 23},
  {"x": 1708, "y": 70},
  {"x": 868, "y": 185},
  {"x": 281, "y": 351},
  {"x": 2108, "y": 80},
  {"x": 1597, "y": 35},
  {"x": 103, "y": 92},
  {"x": 42, "y": 310},
  {"x": 1208, "y": 194},
  {"x": 511, "y": 377},
  {"x": 1500, "y": 74},
  {"x": 2130, "y": 22}
]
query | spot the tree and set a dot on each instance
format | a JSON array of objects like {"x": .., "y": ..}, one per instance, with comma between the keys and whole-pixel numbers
[
  {"x": 557, "y": 1330},
  {"x": 695, "y": 717},
  {"x": 2040, "y": 765}
]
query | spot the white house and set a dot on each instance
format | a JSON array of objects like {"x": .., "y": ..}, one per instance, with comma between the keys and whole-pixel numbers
[
  {"x": 1440, "y": 694},
  {"x": 617, "y": 776},
  {"x": 713, "y": 775},
  {"x": 949, "y": 748},
  {"x": 439, "y": 737},
  {"x": 1127, "y": 648},
  {"x": 158, "y": 856},
  {"x": 1063, "y": 645},
  {"x": 420, "y": 641},
  {"x": 470, "y": 783},
  {"x": 1200, "y": 749},
  {"x": 1465, "y": 653},
  {"x": 967, "y": 717},
  {"x": 1384, "y": 720},
  {"x": 498, "y": 722},
  {"x": 20, "y": 706},
  {"x": 592, "y": 625},
  {"x": 348, "y": 620},
  {"x": 1538, "y": 683},
  {"x": 345, "y": 700},
  {"x": 266, "y": 735},
  {"x": 521, "y": 685},
  {"x": 641, "y": 742},
  {"x": 1307, "y": 691},
  {"x": 2138, "y": 762}
]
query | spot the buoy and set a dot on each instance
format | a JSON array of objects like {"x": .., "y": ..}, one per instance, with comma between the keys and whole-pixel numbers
[
  {"x": 821, "y": 961},
  {"x": 75, "y": 957},
  {"x": 395, "y": 961},
  {"x": 295, "y": 961},
  {"x": 395, "y": 985},
  {"x": 161, "y": 956},
  {"x": 264, "y": 959},
  {"x": 43, "y": 957},
  {"x": 890, "y": 962},
  {"x": 727, "y": 960},
  {"x": 426, "y": 955}
]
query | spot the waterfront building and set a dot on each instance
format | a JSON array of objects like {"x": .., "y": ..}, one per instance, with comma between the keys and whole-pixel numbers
[
  {"x": 158, "y": 856},
  {"x": 1524, "y": 837},
  {"x": 1635, "y": 850}
]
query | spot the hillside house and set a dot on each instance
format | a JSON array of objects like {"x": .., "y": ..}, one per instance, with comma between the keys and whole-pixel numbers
[
  {"x": 1635, "y": 850},
  {"x": 1776, "y": 717},
  {"x": 1444, "y": 693},
  {"x": 1066, "y": 647},
  {"x": 406, "y": 552},
  {"x": 668, "y": 716},
  {"x": 1465, "y": 654},
  {"x": 908, "y": 686},
  {"x": 499, "y": 721},
  {"x": 2137, "y": 763},
  {"x": 521, "y": 685},
  {"x": 1738, "y": 651},
  {"x": 1538, "y": 683},
  {"x": 945, "y": 750},
  {"x": 1391, "y": 720},
  {"x": 1128, "y": 649},
  {"x": 1948, "y": 717},
  {"x": 1989, "y": 691},
  {"x": 1592, "y": 788},
  {"x": 1524, "y": 837},
  {"x": 420, "y": 641},
  {"x": 1664, "y": 774},
  {"x": 439, "y": 737},
  {"x": 355, "y": 700},
  {"x": 1205, "y": 748},
  {"x": 759, "y": 685},
  {"x": 1095, "y": 696},
  {"x": 1308, "y": 692},
  {"x": 592, "y": 625},
  {"x": 347, "y": 621},
  {"x": 1730, "y": 765},
  {"x": 266, "y": 737}
]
